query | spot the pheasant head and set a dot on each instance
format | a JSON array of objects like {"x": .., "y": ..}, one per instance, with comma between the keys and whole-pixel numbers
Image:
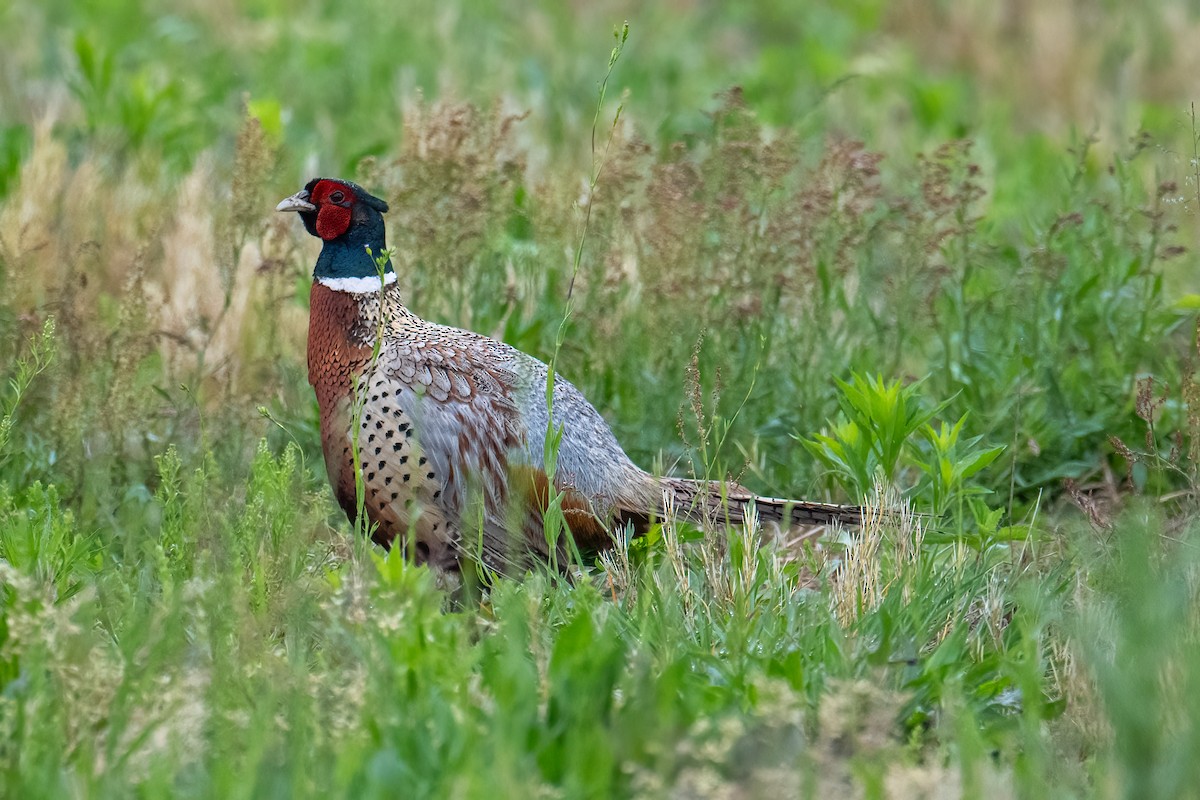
[{"x": 349, "y": 220}]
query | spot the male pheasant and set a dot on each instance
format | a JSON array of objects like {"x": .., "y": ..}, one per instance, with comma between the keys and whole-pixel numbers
[{"x": 451, "y": 424}]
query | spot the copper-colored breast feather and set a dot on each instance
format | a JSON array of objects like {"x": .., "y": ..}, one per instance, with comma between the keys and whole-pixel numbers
[{"x": 336, "y": 357}]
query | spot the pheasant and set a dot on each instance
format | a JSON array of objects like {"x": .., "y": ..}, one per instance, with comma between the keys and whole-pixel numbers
[{"x": 450, "y": 425}]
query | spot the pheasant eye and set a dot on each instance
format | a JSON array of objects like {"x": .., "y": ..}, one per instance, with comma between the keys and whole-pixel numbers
[{"x": 337, "y": 197}]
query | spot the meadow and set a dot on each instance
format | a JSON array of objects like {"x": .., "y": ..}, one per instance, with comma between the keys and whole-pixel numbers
[{"x": 935, "y": 257}]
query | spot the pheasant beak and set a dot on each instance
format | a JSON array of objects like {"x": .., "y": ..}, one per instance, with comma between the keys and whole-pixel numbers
[{"x": 297, "y": 202}]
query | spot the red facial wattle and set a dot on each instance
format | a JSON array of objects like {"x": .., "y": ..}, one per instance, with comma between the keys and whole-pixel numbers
[
  {"x": 332, "y": 221},
  {"x": 334, "y": 208}
]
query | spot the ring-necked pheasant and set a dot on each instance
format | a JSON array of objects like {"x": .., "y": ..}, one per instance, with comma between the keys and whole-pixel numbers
[{"x": 451, "y": 424}]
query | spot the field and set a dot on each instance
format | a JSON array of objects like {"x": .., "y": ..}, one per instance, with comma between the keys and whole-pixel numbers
[{"x": 938, "y": 257}]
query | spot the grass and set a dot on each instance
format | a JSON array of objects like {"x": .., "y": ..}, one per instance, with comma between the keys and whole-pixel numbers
[{"x": 936, "y": 259}]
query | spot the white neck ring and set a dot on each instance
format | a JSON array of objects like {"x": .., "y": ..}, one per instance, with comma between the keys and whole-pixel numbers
[{"x": 366, "y": 285}]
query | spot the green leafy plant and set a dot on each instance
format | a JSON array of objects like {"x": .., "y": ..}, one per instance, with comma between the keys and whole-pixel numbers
[
  {"x": 886, "y": 433},
  {"x": 949, "y": 462},
  {"x": 876, "y": 429}
]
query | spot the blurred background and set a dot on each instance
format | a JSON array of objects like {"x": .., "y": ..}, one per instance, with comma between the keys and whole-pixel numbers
[{"x": 997, "y": 197}]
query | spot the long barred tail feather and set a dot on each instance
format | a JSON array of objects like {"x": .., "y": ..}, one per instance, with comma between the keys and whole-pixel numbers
[{"x": 716, "y": 502}]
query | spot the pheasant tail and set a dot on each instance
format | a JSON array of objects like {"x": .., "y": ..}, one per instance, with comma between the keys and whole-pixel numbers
[{"x": 713, "y": 501}]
